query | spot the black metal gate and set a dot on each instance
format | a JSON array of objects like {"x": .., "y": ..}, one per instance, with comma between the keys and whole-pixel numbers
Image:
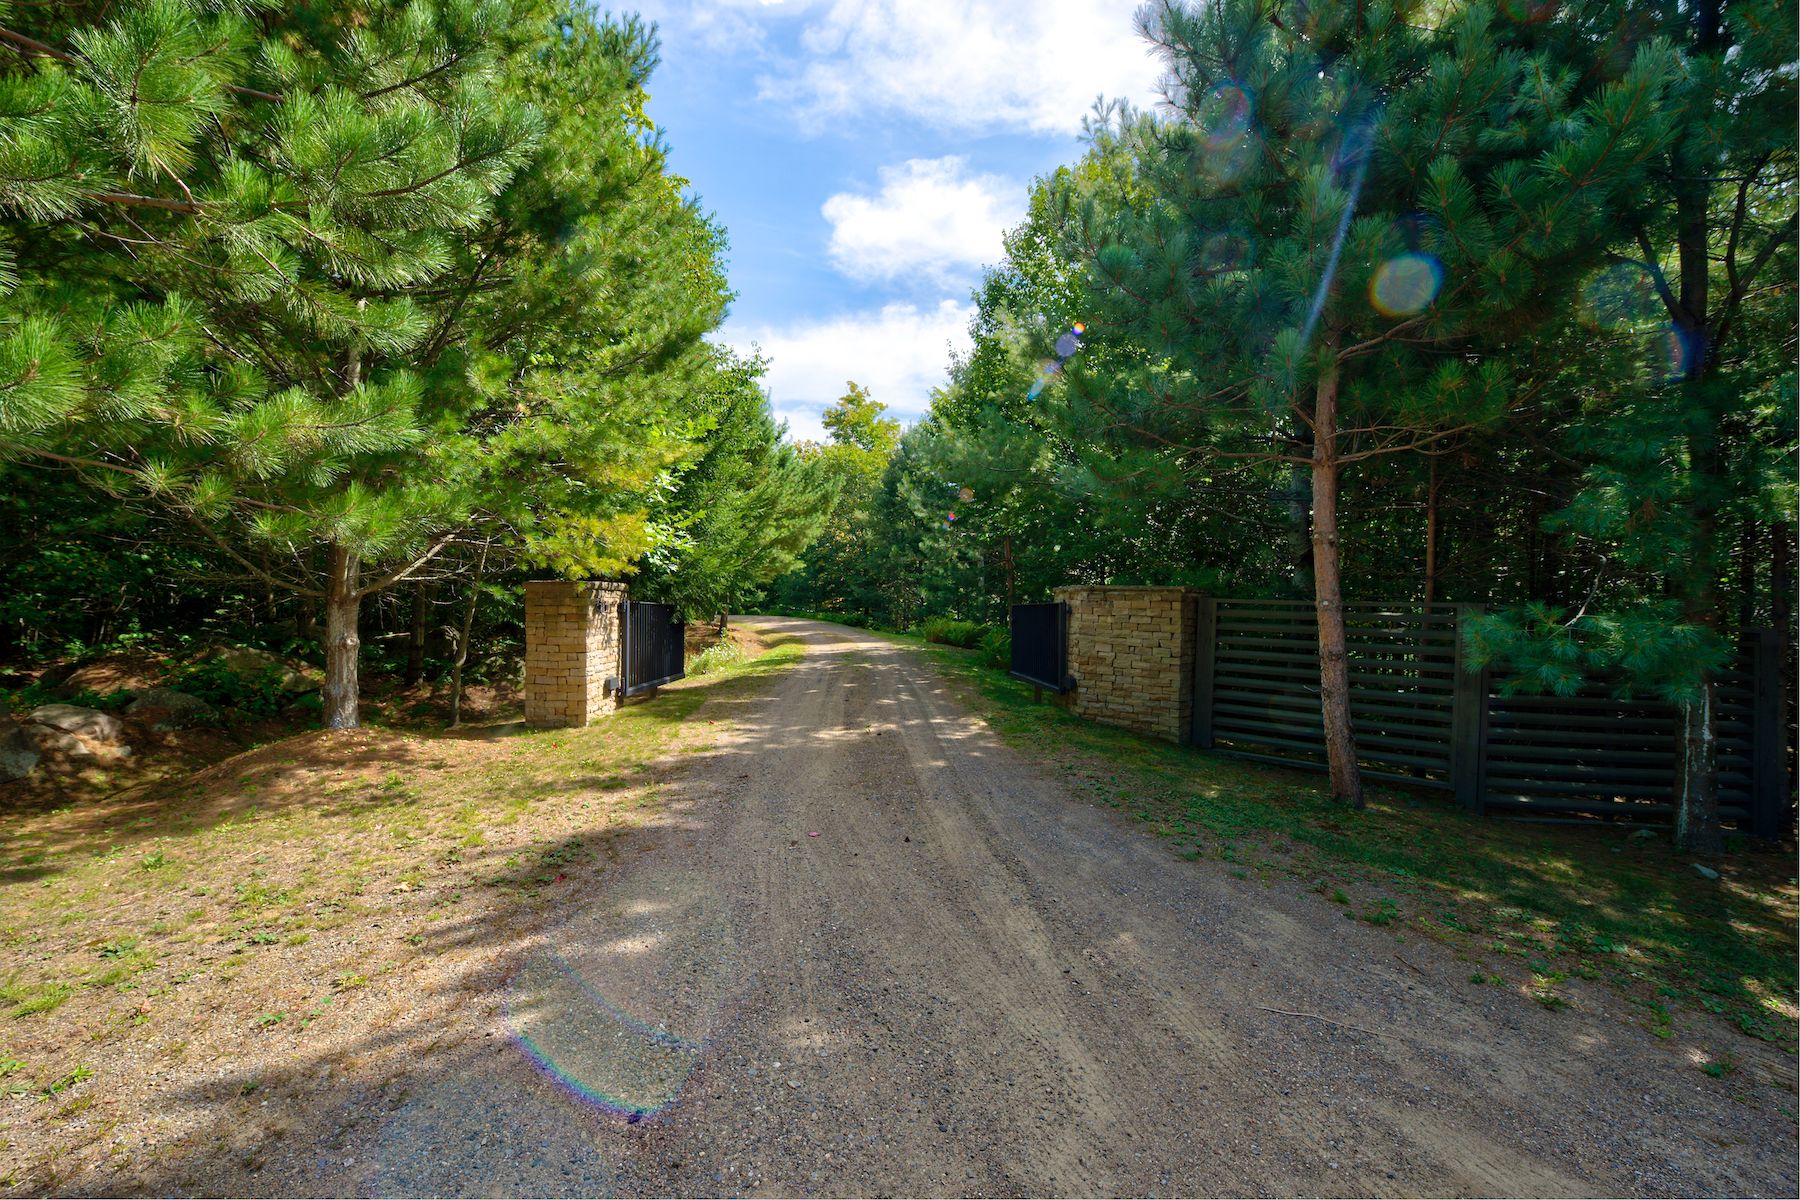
[
  {"x": 1040, "y": 644},
  {"x": 655, "y": 645}
]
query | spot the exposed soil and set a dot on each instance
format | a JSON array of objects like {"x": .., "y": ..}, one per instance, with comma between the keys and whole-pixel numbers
[{"x": 857, "y": 946}]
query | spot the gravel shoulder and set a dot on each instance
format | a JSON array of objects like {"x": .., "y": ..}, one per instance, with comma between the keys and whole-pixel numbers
[{"x": 860, "y": 947}]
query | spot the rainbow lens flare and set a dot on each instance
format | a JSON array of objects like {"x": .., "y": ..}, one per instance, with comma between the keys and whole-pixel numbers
[
  {"x": 1623, "y": 296},
  {"x": 619, "y": 1003},
  {"x": 1406, "y": 284},
  {"x": 1224, "y": 116}
]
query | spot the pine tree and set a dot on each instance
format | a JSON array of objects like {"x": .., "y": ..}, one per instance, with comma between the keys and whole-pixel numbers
[
  {"x": 342, "y": 285},
  {"x": 1707, "y": 252},
  {"x": 747, "y": 507},
  {"x": 1356, "y": 207},
  {"x": 840, "y": 572}
]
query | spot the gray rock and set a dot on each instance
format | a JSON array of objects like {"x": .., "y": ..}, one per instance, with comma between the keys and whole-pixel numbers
[
  {"x": 51, "y": 740},
  {"x": 166, "y": 709},
  {"x": 88, "y": 724},
  {"x": 1706, "y": 872},
  {"x": 18, "y": 754}
]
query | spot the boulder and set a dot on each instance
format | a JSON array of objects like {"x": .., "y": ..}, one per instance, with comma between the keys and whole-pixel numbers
[
  {"x": 88, "y": 724},
  {"x": 251, "y": 664},
  {"x": 166, "y": 709},
  {"x": 18, "y": 754},
  {"x": 50, "y": 740}
]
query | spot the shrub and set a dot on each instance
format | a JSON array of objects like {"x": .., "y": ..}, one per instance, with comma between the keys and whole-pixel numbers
[
  {"x": 259, "y": 695},
  {"x": 996, "y": 649},
  {"x": 950, "y": 632},
  {"x": 722, "y": 654}
]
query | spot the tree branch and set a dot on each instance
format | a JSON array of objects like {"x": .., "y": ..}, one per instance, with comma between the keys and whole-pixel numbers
[
  {"x": 405, "y": 572},
  {"x": 191, "y": 207},
  {"x": 20, "y": 41}
]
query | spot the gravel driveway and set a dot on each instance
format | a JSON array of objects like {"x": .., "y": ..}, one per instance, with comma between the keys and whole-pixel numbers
[{"x": 862, "y": 948}]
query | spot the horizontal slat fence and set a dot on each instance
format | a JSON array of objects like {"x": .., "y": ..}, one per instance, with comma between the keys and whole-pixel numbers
[
  {"x": 1265, "y": 685},
  {"x": 1422, "y": 717}
]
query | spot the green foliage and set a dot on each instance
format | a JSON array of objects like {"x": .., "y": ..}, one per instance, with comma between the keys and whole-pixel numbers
[
  {"x": 335, "y": 287},
  {"x": 951, "y": 632},
  {"x": 843, "y": 572},
  {"x": 254, "y": 694},
  {"x": 711, "y": 659},
  {"x": 996, "y": 648},
  {"x": 36, "y": 694},
  {"x": 744, "y": 509},
  {"x": 1649, "y": 649}
]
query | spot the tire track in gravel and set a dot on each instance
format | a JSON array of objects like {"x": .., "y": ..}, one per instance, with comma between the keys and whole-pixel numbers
[{"x": 973, "y": 982}]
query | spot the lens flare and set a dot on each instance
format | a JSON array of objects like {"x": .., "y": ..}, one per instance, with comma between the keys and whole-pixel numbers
[
  {"x": 1224, "y": 252},
  {"x": 1406, "y": 284},
  {"x": 1681, "y": 352},
  {"x": 618, "y": 1005},
  {"x": 1224, "y": 116},
  {"x": 1623, "y": 296},
  {"x": 1064, "y": 347},
  {"x": 1528, "y": 12},
  {"x": 965, "y": 494},
  {"x": 589, "y": 1046},
  {"x": 1225, "y": 122}
]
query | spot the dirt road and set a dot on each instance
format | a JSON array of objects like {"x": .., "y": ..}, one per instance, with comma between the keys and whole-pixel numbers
[{"x": 864, "y": 948}]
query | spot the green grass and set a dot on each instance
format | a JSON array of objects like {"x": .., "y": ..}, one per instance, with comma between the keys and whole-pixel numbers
[{"x": 1535, "y": 904}]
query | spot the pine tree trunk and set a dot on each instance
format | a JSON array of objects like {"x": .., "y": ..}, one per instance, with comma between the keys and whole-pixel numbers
[
  {"x": 1299, "y": 518},
  {"x": 1431, "y": 533},
  {"x": 462, "y": 641},
  {"x": 1746, "y": 585},
  {"x": 1697, "y": 807},
  {"x": 342, "y": 608},
  {"x": 1781, "y": 576},
  {"x": 421, "y": 626},
  {"x": 1334, "y": 663},
  {"x": 1697, "y": 793}
]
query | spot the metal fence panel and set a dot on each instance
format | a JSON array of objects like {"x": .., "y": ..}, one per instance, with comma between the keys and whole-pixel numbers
[
  {"x": 1040, "y": 644},
  {"x": 1422, "y": 717},
  {"x": 1264, "y": 685},
  {"x": 655, "y": 646}
]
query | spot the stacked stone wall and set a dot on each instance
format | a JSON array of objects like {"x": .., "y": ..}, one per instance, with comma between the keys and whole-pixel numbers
[
  {"x": 1131, "y": 652},
  {"x": 571, "y": 651}
]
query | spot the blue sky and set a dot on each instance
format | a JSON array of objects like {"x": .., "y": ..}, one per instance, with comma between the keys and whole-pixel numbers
[{"x": 865, "y": 159}]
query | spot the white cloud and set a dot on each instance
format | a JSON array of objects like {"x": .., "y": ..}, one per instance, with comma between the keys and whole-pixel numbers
[
  {"x": 931, "y": 219},
  {"x": 899, "y": 352},
  {"x": 971, "y": 65}
]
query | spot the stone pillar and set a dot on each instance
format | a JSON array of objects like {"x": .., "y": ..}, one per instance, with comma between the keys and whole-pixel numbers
[
  {"x": 571, "y": 651},
  {"x": 1131, "y": 652}
]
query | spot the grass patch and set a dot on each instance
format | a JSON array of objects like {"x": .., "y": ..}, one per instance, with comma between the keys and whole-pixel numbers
[{"x": 1595, "y": 903}]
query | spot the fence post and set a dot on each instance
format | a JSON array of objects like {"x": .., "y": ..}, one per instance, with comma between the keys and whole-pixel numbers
[
  {"x": 1468, "y": 723},
  {"x": 1768, "y": 762},
  {"x": 1206, "y": 627}
]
